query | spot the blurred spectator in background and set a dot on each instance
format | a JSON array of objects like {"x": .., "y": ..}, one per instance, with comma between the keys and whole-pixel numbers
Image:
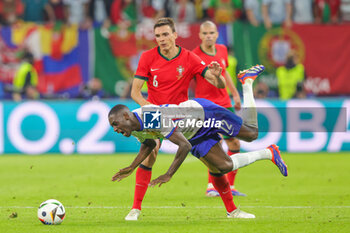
[
  {"x": 26, "y": 79},
  {"x": 10, "y": 11},
  {"x": 92, "y": 90},
  {"x": 225, "y": 11},
  {"x": 36, "y": 10},
  {"x": 99, "y": 12},
  {"x": 290, "y": 78},
  {"x": 345, "y": 10},
  {"x": 202, "y": 9},
  {"x": 253, "y": 11},
  {"x": 276, "y": 12},
  {"x": 151, "y": 9},
  {"x": 199, "y": 9},
  {"x": 77, "y": 12},
  {"x": 183, "y": 11},
  {"x": 58, "y": 10},
  {"x": 232, "y": 65},
  {"x": 261, "y": 90},
  {"x": 327, "y": 11},
  {"x": 123, "y": 12},
  {"x": 302, "y": 11}
]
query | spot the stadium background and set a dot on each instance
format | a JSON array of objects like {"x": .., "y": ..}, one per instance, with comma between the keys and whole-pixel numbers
[{"x": 315, "y": 197}]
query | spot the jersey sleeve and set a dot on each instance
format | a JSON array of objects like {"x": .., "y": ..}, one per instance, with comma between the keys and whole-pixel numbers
[
  {"x": 198, "y": 65},
  {"x": 142, "y": 71}
]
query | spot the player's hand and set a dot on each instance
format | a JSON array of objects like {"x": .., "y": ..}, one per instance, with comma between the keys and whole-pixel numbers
[
  {"x": 215, "y": 68},
  {"x": 160, "y": 180},
  {"x": 237, "y": 101},
  {"x": 124, "y": 172}
]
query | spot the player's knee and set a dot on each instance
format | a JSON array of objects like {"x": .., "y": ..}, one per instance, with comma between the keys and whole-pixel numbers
[
  {"x": 225, "y": 167},
  {"x": 253, "y": 135}
]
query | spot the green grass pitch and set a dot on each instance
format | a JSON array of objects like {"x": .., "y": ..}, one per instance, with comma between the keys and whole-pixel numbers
[{"x": 315, "y": 197}]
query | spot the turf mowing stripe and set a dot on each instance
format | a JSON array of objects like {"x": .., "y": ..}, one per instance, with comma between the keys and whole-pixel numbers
[{"x": 181, "y": 207}]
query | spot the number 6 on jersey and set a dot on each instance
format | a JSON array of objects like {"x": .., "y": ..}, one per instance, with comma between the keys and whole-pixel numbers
[{"x": 155, "y": 82}]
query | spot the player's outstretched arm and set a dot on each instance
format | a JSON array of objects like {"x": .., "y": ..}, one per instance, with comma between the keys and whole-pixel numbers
[
  {"x": 146, "y": 148},
  {"x": 213, "y": 75},
  {"x": 136, "y": 94},
  {"x": 184, "y": 148}
]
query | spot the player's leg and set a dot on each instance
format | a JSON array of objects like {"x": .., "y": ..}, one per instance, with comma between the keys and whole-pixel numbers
[
  {"x": 249, "y": 129},
  {"x": 218, "y": 159},
  {"x": 143, "y": 177},
  {"x": 220, "y": 181},
  {"x": 211, "y": 191},
  {"x": 247, "y": 78},
  {"x": 219, "y": 163},
  {"x": 233, "y": 148}
]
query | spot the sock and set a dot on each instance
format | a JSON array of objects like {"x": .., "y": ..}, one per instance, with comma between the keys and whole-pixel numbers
[
  {"x": 209, "y": 180},
  {"x": 143, "y": 177},
  {"x": 221, "y": 184},
  {"x": 210, "y": 184},
  {"x": 231, "y": 176},
  {"x": 250, "y": 115},
  {"x": 244, "y": 159}
]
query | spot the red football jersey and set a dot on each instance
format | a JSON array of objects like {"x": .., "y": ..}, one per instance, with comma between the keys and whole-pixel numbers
[
  {"x": 168, "y": 80},
  {"x": 206, "y": 90}
]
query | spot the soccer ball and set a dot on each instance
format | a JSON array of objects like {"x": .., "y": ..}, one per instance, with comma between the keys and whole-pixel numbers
[{"x": 51, "y": 212}]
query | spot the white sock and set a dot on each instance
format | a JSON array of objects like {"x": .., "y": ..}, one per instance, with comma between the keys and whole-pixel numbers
[
  {"x": 243, "y": 159},
  {"x": 250, "y": 115}
]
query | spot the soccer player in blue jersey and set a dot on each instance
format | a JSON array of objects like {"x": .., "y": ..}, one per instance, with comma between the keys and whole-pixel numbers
[{"x": 195, "y": 126}]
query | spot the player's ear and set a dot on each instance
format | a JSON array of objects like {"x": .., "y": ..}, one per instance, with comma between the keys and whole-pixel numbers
[{"x": 175, "y": 35}]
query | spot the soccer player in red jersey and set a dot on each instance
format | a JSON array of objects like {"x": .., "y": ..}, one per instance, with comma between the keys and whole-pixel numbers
[
  {"x": 168, "y": 70},
  {"x": 209, "y": 51}
]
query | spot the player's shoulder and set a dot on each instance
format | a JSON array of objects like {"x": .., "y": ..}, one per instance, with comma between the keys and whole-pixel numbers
[
  {"x": 189, "y": 54},
  {"x": 221, "y": 47},
  {"x": 185, "y": 51},
  {"x": 197, "y": 50},
  {"x": 150, "y": 52}
]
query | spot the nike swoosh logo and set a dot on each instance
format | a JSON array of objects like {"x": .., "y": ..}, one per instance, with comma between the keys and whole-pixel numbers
[{"x": 154, "y": 69}]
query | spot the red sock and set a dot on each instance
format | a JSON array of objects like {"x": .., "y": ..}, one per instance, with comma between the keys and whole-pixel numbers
[
  {"x": 143, "y": 177},
  {"x": 231, "y": 176},
  {"x": 223, "y": 187},
  {"x": 209, "y": 179}
]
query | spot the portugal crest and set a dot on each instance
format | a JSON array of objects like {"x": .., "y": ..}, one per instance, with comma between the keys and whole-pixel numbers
[
  {"x": 180, "y": 70},
  {"x": 276, "y": 44}
]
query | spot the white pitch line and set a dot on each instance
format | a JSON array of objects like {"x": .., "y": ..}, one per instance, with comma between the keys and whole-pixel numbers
[{"x": 180, "y": 207}]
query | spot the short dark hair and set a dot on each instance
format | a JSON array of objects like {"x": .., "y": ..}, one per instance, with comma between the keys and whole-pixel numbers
[
  {"x": 165, "y": 21},
  {"x": 28, "y": 56},
  {"x": 116, "y": 109}
]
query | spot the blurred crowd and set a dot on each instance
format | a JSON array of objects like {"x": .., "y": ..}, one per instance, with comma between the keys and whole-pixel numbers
[
  {"x": 88, "y": 13},
  {"x": 127, "y": 13}
]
